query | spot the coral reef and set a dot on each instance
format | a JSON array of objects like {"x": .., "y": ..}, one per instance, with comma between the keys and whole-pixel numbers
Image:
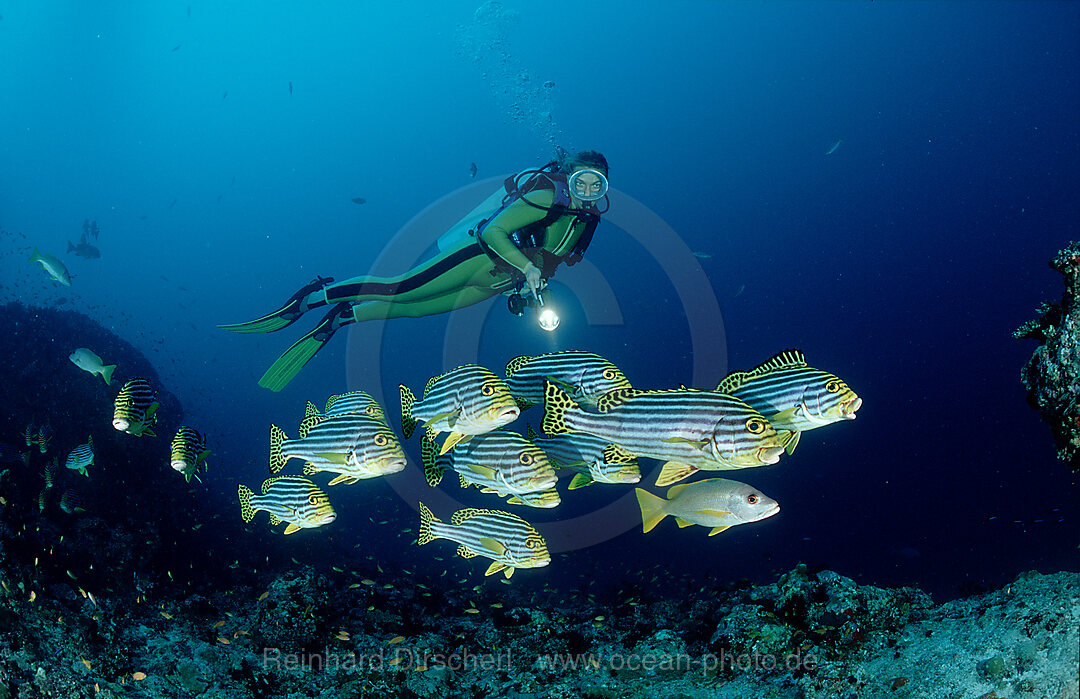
[
  {"x": 1052, "y": 375},
  {"x": 809, "y": 635}
]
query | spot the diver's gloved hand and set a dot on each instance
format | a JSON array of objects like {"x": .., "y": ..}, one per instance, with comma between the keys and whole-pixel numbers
[{"x": 532, "y": 278}]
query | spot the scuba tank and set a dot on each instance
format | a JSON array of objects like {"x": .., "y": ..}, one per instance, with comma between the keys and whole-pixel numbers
[{"x": 514, "y": 187}]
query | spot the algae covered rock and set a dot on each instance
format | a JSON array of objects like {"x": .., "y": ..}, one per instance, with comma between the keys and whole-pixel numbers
[{"x": 1052, "y": 375}]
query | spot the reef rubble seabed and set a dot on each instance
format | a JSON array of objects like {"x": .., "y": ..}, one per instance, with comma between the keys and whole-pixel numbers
[
  {"x": 1052, "y": 375},
  {"x": 311, "y": 634}
]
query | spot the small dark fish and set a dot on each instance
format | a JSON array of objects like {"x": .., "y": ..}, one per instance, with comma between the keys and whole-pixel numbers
[
  {"x": 549, "y": 84},
  {"x": 359, "y": 200},
  {"x": 472, "y": 171},
  {"x": 189, "y": 10},
  {"x": 290, "y": 87},
  {"x": 176, "y": 48},
  {"x": 143, "y": 217},
  {"x": 84, "y": 249},
  {"x": 173, "y": 203},
  {"x": 224, "y": 94}
]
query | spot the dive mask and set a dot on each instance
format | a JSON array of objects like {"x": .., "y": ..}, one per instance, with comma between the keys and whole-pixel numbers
[{"x": 588, "y": 185}]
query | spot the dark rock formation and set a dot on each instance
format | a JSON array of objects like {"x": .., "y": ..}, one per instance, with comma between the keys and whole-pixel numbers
[{"x": 1052, "y": 375}]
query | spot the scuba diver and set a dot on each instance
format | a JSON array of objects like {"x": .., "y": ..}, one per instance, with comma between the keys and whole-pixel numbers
[{"x": 541, "y": 218}]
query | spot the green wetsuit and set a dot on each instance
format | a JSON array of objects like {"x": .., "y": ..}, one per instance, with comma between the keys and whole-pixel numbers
[{"x": 464, "y": 275}]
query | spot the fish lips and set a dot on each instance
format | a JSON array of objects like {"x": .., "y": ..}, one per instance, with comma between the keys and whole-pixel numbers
[
  {"x": 507, "y": 415},
  {"x": 770, "y": 455},
  {"x": 178, "y": 464},
  {"x": 121, "y": 424},
  {"x": 389, "y": 466},
  {"x": 848, "y": 408}
]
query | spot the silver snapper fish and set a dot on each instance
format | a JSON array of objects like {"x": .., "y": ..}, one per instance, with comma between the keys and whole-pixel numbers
[
  {"x": 505, "y": 538},
  {"x": 689, "y": 430},
  {"x": 584, "y": 376},
  {"x": 794, "y": 396},
  {"x": 89, "y": 362},
  {"x": 465, "y": 401},
  {"x": 52, "y": 266},
  {"x": 717, "y": 503}
]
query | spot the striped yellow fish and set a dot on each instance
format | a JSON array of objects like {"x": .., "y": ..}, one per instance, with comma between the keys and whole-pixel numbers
[
  {"x": 188, "y": 452},
  {"x": 356, "y": 402},
  {"x": 583, "y": 376},
  {"x": 717, "y": 503},
  {"x": 505, "y": 538},
  {"x": 291, "y": 499},
  {"x": 375, "y": 452},
  {"x": 593, "y": 459},
  {"x": 327, "y": 441},
  {"x": 689, "y": 430},
  {"x": 135, "y": 408},
  {"x": 81, "y": 457},
  {"x": 501, "y": 462},
  {"x": 466, "y": 401},
  {"x": 794, "y": 397}
]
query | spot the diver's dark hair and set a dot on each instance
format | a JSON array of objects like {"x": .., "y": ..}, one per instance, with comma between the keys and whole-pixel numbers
[{"x": 588, "y": 158}]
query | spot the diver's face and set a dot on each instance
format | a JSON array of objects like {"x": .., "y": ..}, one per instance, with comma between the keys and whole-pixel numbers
[{"x": 587, "y": 186}]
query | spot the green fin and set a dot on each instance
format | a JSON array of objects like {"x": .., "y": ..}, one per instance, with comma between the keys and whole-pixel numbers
[
  {"x": 701, "y": 444},
  {"x": 614, "y": 454},
  {"x": 291, "y": 529},
  {"x": 580, "y": 480},
  {"x": 310, "y": 422},
  {"x": 714, "y": 513},
  {"x": 730, "y": 383},
  {"x": 289, "y": 364},
  {"x": 433, "y": 473},
  {"x": 277, "y": 459},
  {"x": 246, "y": 510},
  {"x": 614, "y": 398},
  {"x": 310, "y": 410},
  {"x": 515, "y": 364},
  {"x": 673, "y": 491},
  {"x": 496, "y": 567},
  {"x": 556, "y": 406},
  {"x": 492, "y": 545},
  {"x": 523, "y": 403},
  {"x": 333, "y": 457},
  {"x": 716, "y": 530},
  {"x": 483, "y": 471},
  {"x": 453, "y": 440},
  {"x": 426, "y": 518},
  {"x": 791, "y": 441},
  {"x": 408, "y": 422},
  {"x": 530, "y": 433},
  {"x": 652, "y": 509},
  {"x": 343, "y": 478},
  {"x": 683, "y": 523},
  {"x": 673, "y": 472}
]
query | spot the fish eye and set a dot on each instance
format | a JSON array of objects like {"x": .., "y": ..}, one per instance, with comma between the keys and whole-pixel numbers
[
  {"x": 371, "y": 410},
  {"x": 487, "y": 389},
  {"x": 380, "y": 440},
  {"x": 609, "y": 375},
  {"x": 313, "y": 499},
  {"x": 755, "y": 425},
  {"x": 525, "y": 459},
  {"x": 752, "y": 499},
  {"x": 833, "y": 386}
]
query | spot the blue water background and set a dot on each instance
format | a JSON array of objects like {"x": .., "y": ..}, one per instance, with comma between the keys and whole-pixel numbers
[{"x": 902, "y": 261}]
